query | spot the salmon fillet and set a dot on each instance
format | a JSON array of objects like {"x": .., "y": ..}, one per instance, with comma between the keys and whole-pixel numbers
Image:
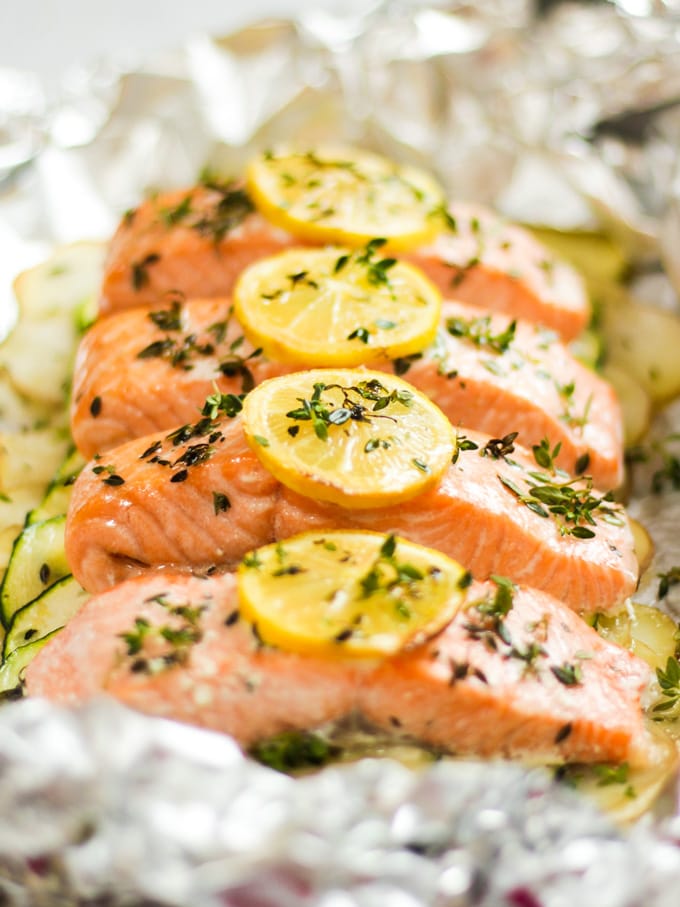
[
  {"x": 194, "y": 241},
  {"x": 197, "y": 241},
  {"x": 574, "y": 697},
  {"x": 138, "y": 372},
  {"x": 486, "y": 261},
  {"x": 153, "y": 503}
]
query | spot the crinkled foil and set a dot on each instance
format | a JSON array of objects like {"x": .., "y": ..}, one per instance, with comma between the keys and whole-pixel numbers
[{"x": 567, "y": 117}]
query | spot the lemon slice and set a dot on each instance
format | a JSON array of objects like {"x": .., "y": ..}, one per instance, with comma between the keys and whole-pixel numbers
[
  {"x": 344, "y": 195},
  {"x": 335, "y": 307},
  {"x": 357, "y": 438},
  {"x": 349, "y": 593}
]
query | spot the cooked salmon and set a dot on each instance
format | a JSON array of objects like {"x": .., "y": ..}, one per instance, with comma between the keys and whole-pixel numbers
[
  {"x": 484, "y": 260},
  {"x": 545, "y": 685},
  {"x": 152, "y": 503},
  {"x": 197, "y": 241},
  {"x": 138, "y": 372},
  {"x": 193, "y": 241}
]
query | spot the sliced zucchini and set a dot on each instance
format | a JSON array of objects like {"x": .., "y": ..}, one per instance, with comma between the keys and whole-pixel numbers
[
  {"x": 51, "y": 610},
  {"x": 37, "y": 561},
  {"x": 58, "y": 494},
  {"x": 11, "y": 671}
]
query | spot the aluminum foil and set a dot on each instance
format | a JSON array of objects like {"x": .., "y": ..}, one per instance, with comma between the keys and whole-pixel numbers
[{"x": 567, "y": 117}]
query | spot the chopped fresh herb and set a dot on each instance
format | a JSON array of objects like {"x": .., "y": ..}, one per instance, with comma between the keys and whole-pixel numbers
[
  {"x": 221, "y": 502},
  {"x": 669, "y": 681},
  {"x": 361, "y": 334},
  {"x": 668, "y": 580},
  {"x": 140, "y": 270},
  {"x": 568, "y": 674},
  {"x": 402, "y": 364},
  {"x": 563, "y": 732},
  {"x": 294, "y": 750},
  {"x": 168, "y": 319},
  {"x": 261, "y": 440},
  {"x": 114, "y": 479},
  {"x": 419, "y": 464},
  {"x": 479, "y": 332},
  {"x": 172, "y": 216},
  {"x": 231, "y": 209}
]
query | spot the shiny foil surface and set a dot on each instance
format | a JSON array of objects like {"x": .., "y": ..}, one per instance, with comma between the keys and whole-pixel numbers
[{"x": 564, "y": 115}]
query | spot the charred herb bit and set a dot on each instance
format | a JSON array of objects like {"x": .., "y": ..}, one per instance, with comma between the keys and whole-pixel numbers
[
  {"x": 180, "y": 476},
  {"x": 231, "y": 210},
  {"x": 195, "y": 454},
  {"x": 459, "y": 671},
  {"x": 499, "y": 448},
  {"x": 292, "y": 751},
  {"x": 221, "y": 502},
  {"x": 479, "y": 332},
  {"x": 582, "y": 464},
  {"x": 96, "y": 407},
  {"x": 234, "y": 364},
  {"x": 232, "y": 618},
  {"x": 140, "y": 270},
  {"x": 568, "y": 674},
  {"x": 667, "y": 581}
]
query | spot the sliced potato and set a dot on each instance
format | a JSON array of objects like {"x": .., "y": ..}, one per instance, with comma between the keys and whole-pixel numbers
[
  {"x": 644, "y": 630},
  {"x": 644, "y": 342},
  {"x": 30, "y": 457},
  {"x": 39, "y": 357},
  {"x": 644, "y": 546},
  {"x": 17, "y": 412},
  {"x": 597, "y": 257},
  {"x": 60, "y": 284},
  {"x": 636, "y": 404}
]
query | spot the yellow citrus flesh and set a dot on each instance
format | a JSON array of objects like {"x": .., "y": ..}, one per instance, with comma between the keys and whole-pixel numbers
[
  {"x": 332, "y": 307},
  {"x": 345, "y": 195},
  {"x": 353, "y": 437},
  {"x": 348, "y": 593}
]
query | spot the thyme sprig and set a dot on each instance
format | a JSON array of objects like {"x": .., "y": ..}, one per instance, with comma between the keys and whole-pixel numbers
[
  {"x": 323, "y": 413},
  {"x": 572, "y": 501},
  {"x": 479, "y": 332}
]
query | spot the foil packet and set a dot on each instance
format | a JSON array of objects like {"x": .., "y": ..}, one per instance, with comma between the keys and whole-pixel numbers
[{"x": 561, "y": 115}]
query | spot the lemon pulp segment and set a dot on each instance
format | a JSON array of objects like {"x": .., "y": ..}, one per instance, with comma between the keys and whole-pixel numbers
[
  {"x": 352, "y": 437},
  {"x": 345, "y": 195},
  {"x": 334, "y": 307},
  {"x": 348, "y": 592}
]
